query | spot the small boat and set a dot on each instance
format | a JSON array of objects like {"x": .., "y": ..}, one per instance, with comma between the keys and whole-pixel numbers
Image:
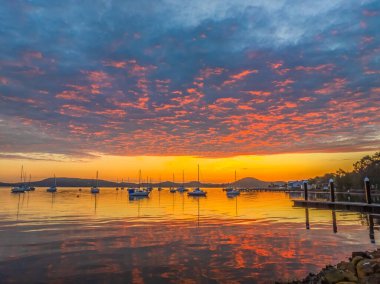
[
  {"x": 160, "y": 187},
  {"x": 137, "y": 192},
  {"x": 117, "y": 182},
  {"x": 95, "y": 188},
  {"x": 197, "y": 191},
  {"x": 53, "y": 188},
  {"x": 122, "y": 186},
  {"x": 182, "y": 188},
  {"x": 20, "y": 188},
  {"x": 149, "y": 186},
  {"x": 29, "y": 187},
  {"x": 233, "y": 191},
  {"x": 172, "y": 189}
]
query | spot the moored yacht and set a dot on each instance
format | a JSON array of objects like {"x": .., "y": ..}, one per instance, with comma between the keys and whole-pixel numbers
[
  {"x": 233, "y": 192},
  {"x": 137, "y": 192},
  {"x": 95, "y": 188},
  {"x": 53, "y": 188},
  {"x": 197, "y": 191},
  {"x": 182, "y": 188},
  {"x": 20, "y": 188},
  {"x": 172, "y": 189}
]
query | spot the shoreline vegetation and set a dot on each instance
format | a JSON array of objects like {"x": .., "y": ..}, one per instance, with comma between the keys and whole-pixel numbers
[
  {"x": 361, "y": 268},
  {"x": 368, "y": 166}
]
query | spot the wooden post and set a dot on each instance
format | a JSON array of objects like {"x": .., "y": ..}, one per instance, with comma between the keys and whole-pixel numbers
[
  {"x": 332, "y": 190},
  {"x": 305, "y": 190},
  {"x": 367, "y": 188}
]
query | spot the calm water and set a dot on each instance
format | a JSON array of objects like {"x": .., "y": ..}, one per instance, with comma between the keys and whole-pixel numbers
[{"x": 257, "y": 237}]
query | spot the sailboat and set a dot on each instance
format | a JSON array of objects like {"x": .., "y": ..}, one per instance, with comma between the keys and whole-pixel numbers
[
  {"x": 53, "y": 188},
  {"x": 149, "y": 186},
  {"x": 182, "y": 188},
  {"x": 31, "y": 188},
  {"x": 234, "y": 191},
  {"x": 21, "y": 187},
  {"x": 159, "y": 188},
  {"x": 122, "y": 184},
  {"x": 172, "y": 189},
  {"x": 137, "y": 192},
  {"x": 117, "y": 184},
  {"x": 197, "y": 191},
  {"x": 95, "y": 188}
]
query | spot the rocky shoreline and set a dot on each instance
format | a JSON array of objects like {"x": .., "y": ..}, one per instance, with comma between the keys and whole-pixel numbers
[{"x": 362, "y": 268}]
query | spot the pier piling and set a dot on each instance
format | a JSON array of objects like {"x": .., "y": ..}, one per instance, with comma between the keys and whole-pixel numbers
[
  {"x": 332, "y": 190},
  {"x": 367, "y": 188},
  {"x": 305, "y": 190}
]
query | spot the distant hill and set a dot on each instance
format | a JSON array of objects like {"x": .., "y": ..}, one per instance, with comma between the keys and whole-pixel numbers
[
  {"x": 247, "y": 182},
  {"x": 250, "y": 182}
]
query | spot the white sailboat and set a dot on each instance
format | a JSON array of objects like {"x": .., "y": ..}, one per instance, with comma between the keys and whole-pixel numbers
[
  {"x": 159, "y": 187},
  {"x": 137, "y": 192},
  {"x": 197, "y": 191},
  {"x": 21, "y": 187},
  {"x": 172, "y": 189},
  {"x": 53, "y": 188},
  {"x": 234, "y": 191},
  {"x": 182, "y": 188},
  {"x": 95, "y": 188}
]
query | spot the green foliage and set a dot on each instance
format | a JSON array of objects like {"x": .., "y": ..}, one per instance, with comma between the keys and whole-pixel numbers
[{"x": 368, "y": 166}]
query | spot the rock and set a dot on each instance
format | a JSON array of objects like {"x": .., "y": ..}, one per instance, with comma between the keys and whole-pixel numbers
[
  {"x": 347, "y": 266},
  {"x": 375, "y": 254},
  {"x": 360, "y": 253},
  {"x": 334, "y": 276},
  {"x": 371, "y": 279},
  {"x": 356, "y": 259},
  {"x": 350, "y": 276},
  {"x": 364, "y": 268}
]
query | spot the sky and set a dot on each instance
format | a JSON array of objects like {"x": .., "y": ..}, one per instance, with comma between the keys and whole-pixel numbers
[{"x": 275, "y": 89}]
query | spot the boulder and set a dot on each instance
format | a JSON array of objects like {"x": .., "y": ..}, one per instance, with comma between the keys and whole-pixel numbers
[
  {"x": 333, "y": 276},
  {"x": 356, "y": 259},
  {"x": 363, "y": 254},
  {"x": 347, "y": 266},
  {"x": 371, "y": 279},
  {"x": 366, "y": 267}
]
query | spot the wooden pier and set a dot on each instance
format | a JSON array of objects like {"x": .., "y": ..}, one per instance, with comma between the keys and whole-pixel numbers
[
  {"x": 367, "y": 206},
  {"x": 351, "y": 206}
]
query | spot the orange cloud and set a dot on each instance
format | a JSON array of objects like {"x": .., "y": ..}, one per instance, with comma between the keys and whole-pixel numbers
[{"x": 239, "y": 76}]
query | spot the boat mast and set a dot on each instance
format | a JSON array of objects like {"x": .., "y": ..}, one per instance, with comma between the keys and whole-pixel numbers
[
  {"x": 139, "y": 178},
  {"x": 198, "y": 174},
  {"x": 96, "y": 178},
  {"x": 183, "y": 178},
  {"x": 235, "y": 179},
  {"x": 22, "y": 172},
  {"x": 55, "y": 181}
]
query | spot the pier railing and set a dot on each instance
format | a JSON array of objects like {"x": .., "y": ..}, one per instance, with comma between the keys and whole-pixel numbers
[{"x": 366, "y": 206}]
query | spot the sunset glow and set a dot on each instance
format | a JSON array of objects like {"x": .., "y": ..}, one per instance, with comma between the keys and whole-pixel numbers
[{"x": 227, "y": 85}]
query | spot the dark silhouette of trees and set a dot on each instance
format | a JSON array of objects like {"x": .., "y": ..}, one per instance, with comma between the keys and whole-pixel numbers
[{"x": 368, "y": 166}]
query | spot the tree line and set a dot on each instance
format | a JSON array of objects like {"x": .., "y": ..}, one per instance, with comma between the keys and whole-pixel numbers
[{"x": 368, "y": 166}]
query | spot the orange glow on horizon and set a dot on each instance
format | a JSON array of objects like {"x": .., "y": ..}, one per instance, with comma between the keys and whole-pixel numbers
[{"x": 279, "y": 167}]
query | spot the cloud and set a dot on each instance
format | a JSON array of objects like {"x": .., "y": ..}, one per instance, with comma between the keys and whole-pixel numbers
[{"x": 215, "y": 78}]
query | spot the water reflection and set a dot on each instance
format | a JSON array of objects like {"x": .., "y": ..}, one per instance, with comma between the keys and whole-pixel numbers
[{"x": 171, "y": 237}]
